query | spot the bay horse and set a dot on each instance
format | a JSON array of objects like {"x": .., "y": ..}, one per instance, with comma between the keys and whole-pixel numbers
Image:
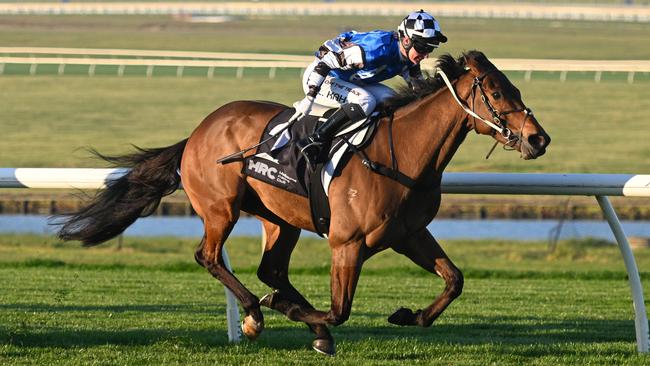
[{"x": 369, "y": 212}]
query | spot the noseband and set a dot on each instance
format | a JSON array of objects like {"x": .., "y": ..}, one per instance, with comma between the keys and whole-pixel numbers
[{"x": 498, "y": 123}]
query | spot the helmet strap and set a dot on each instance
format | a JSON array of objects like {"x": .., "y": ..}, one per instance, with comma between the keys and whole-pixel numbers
[
  {"x": 407, "y": 47},
  {"x": 406, "y": 44}
]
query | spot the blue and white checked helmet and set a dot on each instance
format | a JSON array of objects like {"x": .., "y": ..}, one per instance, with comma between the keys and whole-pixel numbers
[{"x": 423, "y": 30}]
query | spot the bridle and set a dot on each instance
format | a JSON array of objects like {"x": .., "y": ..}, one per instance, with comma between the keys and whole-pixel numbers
[{"x": 498, "y": 123}]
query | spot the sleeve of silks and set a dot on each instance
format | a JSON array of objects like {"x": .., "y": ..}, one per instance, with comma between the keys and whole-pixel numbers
[{"x": 332, "y": 55}]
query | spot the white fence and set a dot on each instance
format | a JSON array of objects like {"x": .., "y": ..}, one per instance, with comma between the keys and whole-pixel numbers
[
  {"x": 440, "y": 9},
  {"x": 35, "y": 56},
  {"x": 598, "y": 185},
  {"x": 160, "y": 54}
]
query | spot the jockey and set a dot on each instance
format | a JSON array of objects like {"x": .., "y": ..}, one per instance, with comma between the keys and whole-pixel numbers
[{"x": 348, "y": 69}]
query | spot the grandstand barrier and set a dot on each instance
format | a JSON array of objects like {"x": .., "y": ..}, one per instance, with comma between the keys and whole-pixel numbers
[{"x": 598, "y": 185}]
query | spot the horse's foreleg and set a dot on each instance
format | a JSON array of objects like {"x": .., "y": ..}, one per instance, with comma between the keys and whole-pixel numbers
[
  {"x": 274, "y": 271},
  {"x": 425, "y": 251},
  {"x": 218, "y": 224},
  {"x": 347, "y": 259}
]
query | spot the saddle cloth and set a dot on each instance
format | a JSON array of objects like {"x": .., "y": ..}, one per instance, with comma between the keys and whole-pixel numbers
[{"x": 278, "y": 162}]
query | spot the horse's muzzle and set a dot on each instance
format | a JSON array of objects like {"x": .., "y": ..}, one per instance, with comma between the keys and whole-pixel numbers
[{"x": 534, "y": 146}]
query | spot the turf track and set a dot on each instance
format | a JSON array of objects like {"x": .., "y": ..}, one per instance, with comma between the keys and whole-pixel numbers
[{"x": 149, "y": 303}]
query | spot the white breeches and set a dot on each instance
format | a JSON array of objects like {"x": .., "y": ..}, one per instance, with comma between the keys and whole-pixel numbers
[{"x": 334, "y": 92}]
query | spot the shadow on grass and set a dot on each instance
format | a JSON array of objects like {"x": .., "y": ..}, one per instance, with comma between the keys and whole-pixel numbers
[
  {"x": 539, "y": 336},
  {"x": 513, "y": 330},
  {"x": 207, "y": 308},
  {"x": 56, "y": 337}
]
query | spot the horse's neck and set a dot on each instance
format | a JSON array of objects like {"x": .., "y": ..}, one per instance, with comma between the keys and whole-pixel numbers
[{"x": 431, "y": 130}]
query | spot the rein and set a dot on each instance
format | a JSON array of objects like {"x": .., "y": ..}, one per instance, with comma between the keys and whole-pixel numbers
[
  {"x": 463, "y": 105},
  {"x": 498, "y": 124}
]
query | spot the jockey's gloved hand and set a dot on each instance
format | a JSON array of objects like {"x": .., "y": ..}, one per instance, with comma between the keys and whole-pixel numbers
[
  {"x": 303, "y": 108},
  {"x": 418, "y": 85}
]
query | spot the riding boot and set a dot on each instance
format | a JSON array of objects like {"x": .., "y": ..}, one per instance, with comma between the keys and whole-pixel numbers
[{"x": 311, "y": 147}]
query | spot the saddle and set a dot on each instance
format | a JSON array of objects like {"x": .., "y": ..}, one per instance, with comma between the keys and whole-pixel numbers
[{"x": 278, "y": 162}]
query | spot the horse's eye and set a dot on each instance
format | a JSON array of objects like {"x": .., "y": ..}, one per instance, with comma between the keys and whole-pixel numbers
[{"x": 496, "y": 95}]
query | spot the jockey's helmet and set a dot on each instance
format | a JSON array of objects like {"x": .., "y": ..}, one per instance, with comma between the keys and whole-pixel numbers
[{"x": 423, "y": 30}]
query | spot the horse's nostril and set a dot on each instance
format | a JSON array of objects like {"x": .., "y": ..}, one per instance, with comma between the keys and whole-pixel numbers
[{"x": 538, "y": 141}]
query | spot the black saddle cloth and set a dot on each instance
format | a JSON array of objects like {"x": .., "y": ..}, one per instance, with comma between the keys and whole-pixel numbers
[{"x": 285, "y": 167}]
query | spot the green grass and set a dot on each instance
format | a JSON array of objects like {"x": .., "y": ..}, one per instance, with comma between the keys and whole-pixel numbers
[
  {"x": 303, "y": 35},
  {"x": 149, "y": 303},
  {"x": 47, "y": 120},
  {"x": 312, "y": 256},
  {"x": 62, "y": 304}
]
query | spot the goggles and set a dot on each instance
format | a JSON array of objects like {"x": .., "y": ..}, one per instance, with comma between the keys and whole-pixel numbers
[{"x": 424, "y": 48}]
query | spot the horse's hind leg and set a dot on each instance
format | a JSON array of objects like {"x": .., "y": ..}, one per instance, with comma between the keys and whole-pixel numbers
[
  {"x": 425, "y": 251},
  {"x": 274, "y": 271},
  {"x": 219, "y": 218}
]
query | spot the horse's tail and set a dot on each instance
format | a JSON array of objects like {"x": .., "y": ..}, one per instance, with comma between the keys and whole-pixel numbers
[{"x": 153, "y": 174}]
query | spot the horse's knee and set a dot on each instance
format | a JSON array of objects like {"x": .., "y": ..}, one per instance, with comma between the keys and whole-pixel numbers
[
  {"x": 455, "y": 283},
  {"x": 336, "y": 318}
]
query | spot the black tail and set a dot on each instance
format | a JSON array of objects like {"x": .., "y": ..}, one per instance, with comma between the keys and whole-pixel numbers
[{"x": 153, "y": 174}]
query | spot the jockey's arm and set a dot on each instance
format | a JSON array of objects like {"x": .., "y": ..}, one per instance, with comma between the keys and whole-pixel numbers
[
  {"x": 414, "y": 78},
  {"x": 334, "y": 54}
]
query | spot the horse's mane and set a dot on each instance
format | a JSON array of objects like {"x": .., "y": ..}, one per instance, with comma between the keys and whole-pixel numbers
[{"x": 454, "y": 68}]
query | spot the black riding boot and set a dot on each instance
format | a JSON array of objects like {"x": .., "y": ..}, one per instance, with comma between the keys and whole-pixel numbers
[{"x": 311, "y": 147}]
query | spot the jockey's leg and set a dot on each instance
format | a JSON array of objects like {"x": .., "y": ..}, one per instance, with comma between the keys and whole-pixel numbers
[
  {"x": 348, "y": 112},
  {"x": 381, "y": 92},
  {"x": 311, "y": 147},
  {"x": 357, "y": 104}
]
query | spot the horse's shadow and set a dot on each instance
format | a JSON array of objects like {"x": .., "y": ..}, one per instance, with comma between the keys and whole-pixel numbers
[
  {"x": 506, "y": 332},
  {"x": 145, "y": 308}
]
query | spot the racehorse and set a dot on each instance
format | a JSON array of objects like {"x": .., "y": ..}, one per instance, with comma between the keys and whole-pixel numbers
[{"x": 370, "y": 212}]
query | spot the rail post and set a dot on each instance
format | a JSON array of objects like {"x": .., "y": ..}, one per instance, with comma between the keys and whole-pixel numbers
[
  {"x": 232, "y": 311},
  {"x": 641, "y": 318}
]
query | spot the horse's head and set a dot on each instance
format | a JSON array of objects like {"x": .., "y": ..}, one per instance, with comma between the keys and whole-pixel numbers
[{"x": 502, "y": 114}]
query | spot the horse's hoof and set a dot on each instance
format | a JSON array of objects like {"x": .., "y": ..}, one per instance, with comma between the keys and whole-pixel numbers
[
  {"x": 324, "y": 346},
  {"x": 403, "y": 316},
  {"x": 251, "y": 328}
]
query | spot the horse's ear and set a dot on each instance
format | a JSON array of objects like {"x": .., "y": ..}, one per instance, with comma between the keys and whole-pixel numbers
[
  {"x": 470, "y": 62},
  {"x": 475, "y": 60}
]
